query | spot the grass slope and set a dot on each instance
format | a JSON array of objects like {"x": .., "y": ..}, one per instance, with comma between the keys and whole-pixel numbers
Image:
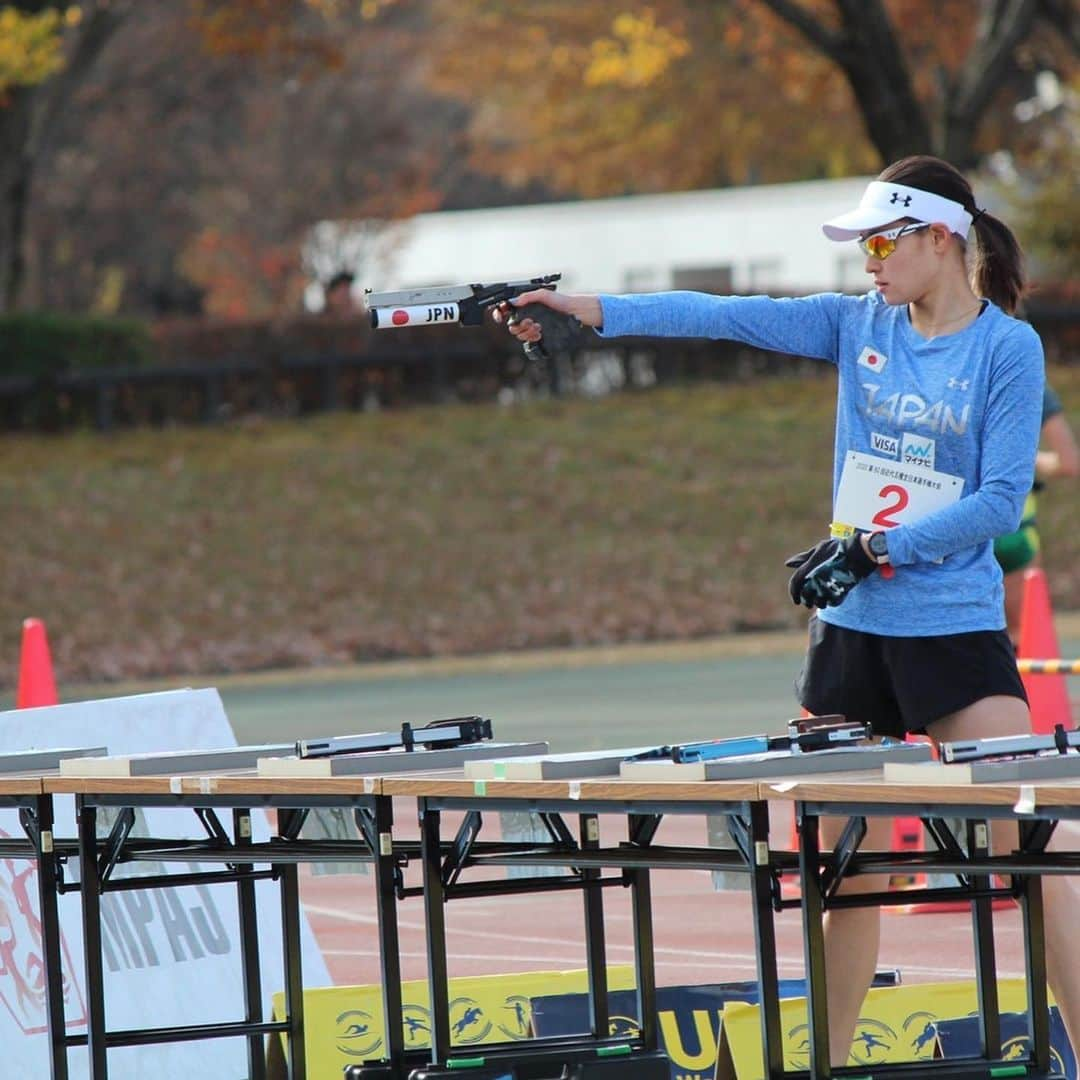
[{"x": 433, "y": 531}]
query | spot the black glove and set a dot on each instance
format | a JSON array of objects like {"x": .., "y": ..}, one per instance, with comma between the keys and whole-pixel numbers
[
  {"x": 828, "y": 583},
  {"x": 558, "y": 332},
  {"x": 806, "y": 561}
]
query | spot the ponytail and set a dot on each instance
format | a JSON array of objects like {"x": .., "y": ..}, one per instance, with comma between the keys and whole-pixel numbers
[{"x": 997, "y": 264}]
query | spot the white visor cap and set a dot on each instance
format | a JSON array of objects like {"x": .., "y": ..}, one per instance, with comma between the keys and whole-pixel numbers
[{"x": 883, "y": 202}]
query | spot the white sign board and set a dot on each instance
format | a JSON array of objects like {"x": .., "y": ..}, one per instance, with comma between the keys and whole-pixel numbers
[
  {"x": 171, "y": 956},
  {"x": 876, "y": 493}
]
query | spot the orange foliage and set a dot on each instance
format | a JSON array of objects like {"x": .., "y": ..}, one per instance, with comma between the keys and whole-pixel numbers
[
  {"x": 282, "y": 29},
  {"x": 598, "y": 100},
  {"x": 241, "y": 276},
  {"x": 607, "y": 97}
]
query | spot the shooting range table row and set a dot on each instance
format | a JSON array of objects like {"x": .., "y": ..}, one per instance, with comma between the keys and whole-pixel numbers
[{"x": 642, "y": 804}]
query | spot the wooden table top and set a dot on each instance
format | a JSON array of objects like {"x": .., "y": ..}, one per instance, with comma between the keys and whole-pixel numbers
[
  {"x": 238, "y": 782},
  {"x": 834, "y": 787},
  {"x": 21, "y": 784},
  {"x": 875, "y": 789}
]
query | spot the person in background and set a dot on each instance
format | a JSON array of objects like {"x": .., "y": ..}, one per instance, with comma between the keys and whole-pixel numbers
[
  {"x": 1059, "y": 457},
  {"x": 937, "y": 426},
  {"x": 337, "y": 295}
]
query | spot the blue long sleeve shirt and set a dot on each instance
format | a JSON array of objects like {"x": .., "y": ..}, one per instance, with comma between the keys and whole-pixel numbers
[{"x": 965, "y": 406}]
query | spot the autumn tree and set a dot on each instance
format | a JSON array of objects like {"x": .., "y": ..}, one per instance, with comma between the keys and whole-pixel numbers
[
  {"x": 925, "y": 75},
  {"x": 58, "y": 58},
  {"x": 1041, "y": 198},
  {"x": 194, "y": 151},
  {"x": 201, "y": 152},
  {"x": 190, "y": 145},
  {"x": 611, "y": 97},
  {"x": 48, "y": 49}
]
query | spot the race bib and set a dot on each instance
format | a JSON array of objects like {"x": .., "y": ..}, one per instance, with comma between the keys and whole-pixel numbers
[{"x": 877, "y": 494}]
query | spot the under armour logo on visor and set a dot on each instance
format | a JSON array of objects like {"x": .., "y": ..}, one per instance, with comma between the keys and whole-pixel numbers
[{"x": 898, "y": 198}]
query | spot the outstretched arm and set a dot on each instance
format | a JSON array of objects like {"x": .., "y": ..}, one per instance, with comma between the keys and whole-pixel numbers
[{"x": 805, "y": 326}]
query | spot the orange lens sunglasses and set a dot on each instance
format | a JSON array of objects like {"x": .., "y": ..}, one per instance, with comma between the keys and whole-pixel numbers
[{"x": 881, "y": 245}]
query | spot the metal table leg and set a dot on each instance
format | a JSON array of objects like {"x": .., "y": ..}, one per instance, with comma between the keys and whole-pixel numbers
[
  {"x": 294, "y": 984},
  {"x": 644, "y": 958},
  {"x": 91, "y": 920},
  {"x": 386, "y": 907},
  {"x": 765, "y": 941},
  {"x": 249, "y": 950},
  {"x": 813, "y": 910},
  {"x": 52, "y": 954},
  {"x": 1031, "y": 904},
  {"x": 982, "y": 926},
  {"x": 435, "y": 920},
  {"x": 595, "y": 942}
]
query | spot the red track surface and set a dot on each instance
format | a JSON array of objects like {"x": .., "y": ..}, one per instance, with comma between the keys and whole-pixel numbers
[{"x": 701, "y": 935}]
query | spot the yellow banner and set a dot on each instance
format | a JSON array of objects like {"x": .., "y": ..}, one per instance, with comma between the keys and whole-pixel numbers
[
  {"x": 343, "y": 1025},
  {"x": 896, "y": 1025}
]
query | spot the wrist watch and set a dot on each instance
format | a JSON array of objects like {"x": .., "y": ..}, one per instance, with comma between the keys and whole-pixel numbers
[{"x": 878, "y": 547}]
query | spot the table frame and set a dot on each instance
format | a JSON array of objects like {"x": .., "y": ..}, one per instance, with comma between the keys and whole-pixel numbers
[
  {"x": 40, "y": 847},
  {"x": 241, "y": 858},
  {"x": 372, "y": 798},
  {"x": 821, "y": 873},
  {"x": 643, "y": 805}
]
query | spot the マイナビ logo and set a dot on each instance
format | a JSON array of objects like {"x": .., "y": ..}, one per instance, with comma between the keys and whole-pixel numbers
[
  {"x": 918, "y": 450},
  {"x": 872, "y": 359}
]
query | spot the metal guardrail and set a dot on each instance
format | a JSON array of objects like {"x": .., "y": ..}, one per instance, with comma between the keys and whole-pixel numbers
[{"x": 206, "y": 393}]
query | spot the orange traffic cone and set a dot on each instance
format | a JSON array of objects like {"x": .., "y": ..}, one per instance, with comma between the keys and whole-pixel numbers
[
  {"x": 36, "y": 683},
  {"x": 1047, "y": 694}
]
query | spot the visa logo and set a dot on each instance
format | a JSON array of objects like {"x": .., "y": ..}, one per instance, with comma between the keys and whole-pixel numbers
[
  {"x": 917, "y": 450},
  {"x": 885, "y": 444}
]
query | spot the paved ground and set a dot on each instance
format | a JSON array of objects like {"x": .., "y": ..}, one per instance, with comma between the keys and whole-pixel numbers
[{"x": 575, "y": 699}]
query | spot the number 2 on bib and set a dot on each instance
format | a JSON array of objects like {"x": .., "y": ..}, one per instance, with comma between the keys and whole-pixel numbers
[{"x": 901, "y": 498}]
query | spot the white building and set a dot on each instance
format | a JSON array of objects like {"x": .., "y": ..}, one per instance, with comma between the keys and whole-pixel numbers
[{"x": 752, "y": 239}]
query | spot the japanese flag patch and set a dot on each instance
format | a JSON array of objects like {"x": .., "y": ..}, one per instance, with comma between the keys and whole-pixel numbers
[{"x": 872, "y": 359}]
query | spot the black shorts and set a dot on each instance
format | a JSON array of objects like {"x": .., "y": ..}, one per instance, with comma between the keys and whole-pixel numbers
[{"x": 900, "y": 684}]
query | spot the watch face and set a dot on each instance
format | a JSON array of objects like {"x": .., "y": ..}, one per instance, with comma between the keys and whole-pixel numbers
[{"x": 878, "y": 545}]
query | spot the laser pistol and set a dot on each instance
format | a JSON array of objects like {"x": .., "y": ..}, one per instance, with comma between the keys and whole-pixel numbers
[
  {"x": 466, "y": 305},
  {"x": 1003, "y": 747},
  {"x": 458, "y": 731},
  {"x": 804, "y": 735}
]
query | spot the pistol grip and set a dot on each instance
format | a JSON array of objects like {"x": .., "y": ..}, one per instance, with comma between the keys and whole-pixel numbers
[
  {"x": 535, "y": 350},
  {"x": 559, "y": 332}
]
